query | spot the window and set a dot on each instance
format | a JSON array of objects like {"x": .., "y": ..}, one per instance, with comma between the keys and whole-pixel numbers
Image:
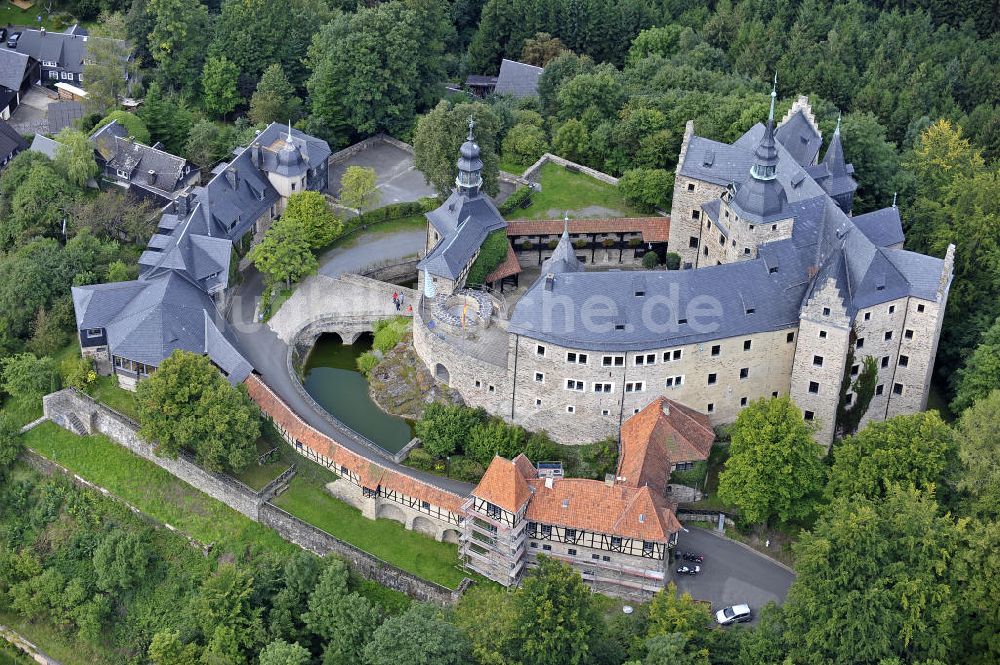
[
  {"x": 605, "y": 412},
  {"x": 634, "y": 387},
  {"x": 885, "y": 361},
  {"x": 920, "y": 308},
  {"x": 892, "y": 309},
  {"x": 493, "y": 511},
  {"x": 640, "y": 294},
  {"x": 647, "y": 548},
  {"x": 693, "y": 242},
  {"x": 602, "y": 387},
  {"x": 695, "y": 214},
  {"x": 743, "y": 401},
  {"x": 774, "y": 227},
  {"x": 690, "y": 186},
  {"x": 539, "y": 350},
  {"x": 479, "y": 384},
  {"x": 774, "y": 393},
  {"x": 492, "y": 388},
  {"x": 744, "y": 372},
  {"x": 570, "y": 535},
  {"x": 534, "y": 545},
  {"x": 648, "y": 359},
  {"x": 426, "y": 505},
  {"x": 822, "y": 334},
  {"x": 711, "y": 407},
  {"x": 706, "y": 250},
  {"x": 674, "y": 381},
  {"x": 605, "y": 558},
  {"x": 121, "y": 173},
  {"x": 746, "y": 250},
  {"x": 849, "y": 398},
  {"x": 573, "y": 384},
  {"x": 570, "y": 408},
  {"x": 595, "y": 556},
  {"x": 293, "y": 186},
  {"x": 578, "y": 358},
  {"x": 826, "y": 311},
  {"x": 671, "y": 355},
  {"x": 879, "y": 389},
  {"x": 814, "y": 387},
  {"x": 539, "y": 377},
  {"x": 619, "y": 326},
  {"x": 772, "y": 270},
  {"x": 860, "y": 343},
  {"x": 94, "y": 332},
  {"x": 53, "y": 74},
  {"x": 908, "y": 334},
  {"x": 855, "y": 369},
  {"x": 818, "y": 361},
  {"x": 904, "y": 361},
  {"x": 681, "y": 322},
  {"x": 616, "y": 542},
  {"x": 808, "y": 415},
  {"x": 546, "y": 547},
  {"x": 546, "y": 530},
  {"x": 711, "y": 379},
  {"x": 67, "y": 76},
  {"x": 571, "y": 552},
  {"x": 716, "y": 349},
  {"x": 897, "y": 388},
  {"x": 538, "y": 401},
  {"x": 746, "y": 344},
  {"x": 617, "y": 361},
  {"x": 888, "y": 335}
]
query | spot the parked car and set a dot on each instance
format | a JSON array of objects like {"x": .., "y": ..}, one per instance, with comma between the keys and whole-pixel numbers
[
  {"x": 733, "y": 614},
  {"x": 3, "y": 34},
  {"x": 689, "y": 570},
  {"x": 12, "y": 39}
]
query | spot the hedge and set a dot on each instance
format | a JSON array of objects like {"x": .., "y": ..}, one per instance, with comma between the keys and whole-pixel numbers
[{"x": 491, "y": 255}]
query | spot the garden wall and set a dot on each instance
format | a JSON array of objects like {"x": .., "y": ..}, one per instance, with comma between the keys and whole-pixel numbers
[
  {"x": 531, "y": 174},
  {"x": 69, "y": 405}
]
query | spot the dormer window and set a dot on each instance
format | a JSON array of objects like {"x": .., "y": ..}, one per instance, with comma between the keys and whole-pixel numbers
[
  {"x": 95, "y": 332},
  {"x": 121, "y": 173}
]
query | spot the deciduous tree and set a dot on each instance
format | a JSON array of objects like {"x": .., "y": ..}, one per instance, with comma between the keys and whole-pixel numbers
[
  {"x": 541, "y": 49},
  {"x": 284, "y": 254},
  {"x": 181, "y": 28},
  {"x": 309, "y": 211},
  {"x": 27, "y": 376},
  {"x": 774, "y": 468},
  {"x": 440, "y": 133},
  {"x": 131, "y": 122},
  {"x": 422, "y": 635},
  {"x": 981, "y": 373},
  {"x": 109, "y": 66},
  {"x": 75, "y": 157},
  {"x": 186, "y": 403},
  {"x": 10, "y": 442},
  {"x": 274, "y": 100},
  {"x": 979, "y": 449},
  {"x": 218, "y": 85},
  {"x": 357, "y": 187},
  {"x": 280, "y": 652},
  {"x": 443, "y": 429},
  {"x": 524, "y": 143},
  {"x": 647, "y": 189}
]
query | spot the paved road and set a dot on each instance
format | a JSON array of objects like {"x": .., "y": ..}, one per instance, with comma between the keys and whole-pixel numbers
[
  {"x": 268, "y": 354},
  {"x": 395, "y": 176},
  {"x": 371, "y": 248},
  {"x": 731, "y": 574}
]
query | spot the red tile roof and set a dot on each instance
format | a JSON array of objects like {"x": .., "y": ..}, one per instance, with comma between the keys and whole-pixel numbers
[
  {"x": 595, "y": 506},
  {"x": 510, "y": 266},
  {"x": 654, "y": 229},
  {"x": 525, "y": 466},
  {"x": 665, "y": 432},
  {"x": 504, "y": 485},
  {"x": 371, "y": 473}
]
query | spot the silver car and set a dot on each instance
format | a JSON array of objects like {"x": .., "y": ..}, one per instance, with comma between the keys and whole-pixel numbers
[{"x": 734, "y": 614}]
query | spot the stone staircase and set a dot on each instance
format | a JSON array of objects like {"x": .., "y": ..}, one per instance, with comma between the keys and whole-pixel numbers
[{"x": 75, "y": 425}]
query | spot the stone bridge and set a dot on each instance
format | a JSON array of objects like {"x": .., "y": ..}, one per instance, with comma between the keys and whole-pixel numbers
[{"x": 347, "y": 305}]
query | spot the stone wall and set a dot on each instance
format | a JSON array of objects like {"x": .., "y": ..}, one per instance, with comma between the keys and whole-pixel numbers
[
  {"x": 371, "y": 567},
  {"x": 361, "y": 146},
  {"x": 98, "y": 418},
  {"x": 392, "y": 273},
  {"x": 531, "y": 173},
  {"x": 686, "y": 226},
  {"x": 22, "y": 643}
]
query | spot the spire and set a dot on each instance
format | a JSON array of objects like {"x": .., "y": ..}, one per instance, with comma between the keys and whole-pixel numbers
[
  {"x": 836, "y": 131},
  {"x": 774, "y": 95},
  {"x": 470, "y": 166},
  {"x": 834, "y": 158},
  {"x": 566, "y": 224},
  {"x": 766, "y": 155},
  {"x": 760, "y": 196},
  {"x": 894, "y": 199},
  {"x": 289, "y": 137},
  {"x": 563, "y": 257}
]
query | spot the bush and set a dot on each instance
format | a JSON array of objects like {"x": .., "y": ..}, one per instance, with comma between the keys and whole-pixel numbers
[
  {"x": 79, "y": 373},
  {"x": 366, "y": 362},
  {"x": 524, "y": 143},
  {"x": 650, "y": 260},
  {"x": 420, "y": 459},
  {"x": 646, "y": 189},
  {"x": 491, "y": 255},
  {"x": 389, "y": 212},
  {"x": 24, "y": 375},
  {"x": 389, "y": 332},
  {"x": 494, "y": 437},
  {"x": 693, "y": 477},
  {"x": 465, "y": 469},
  {"x": 443, "y": 428},
  {"x": 673, "y": 261},
  {"x": 519, "y": 198}
]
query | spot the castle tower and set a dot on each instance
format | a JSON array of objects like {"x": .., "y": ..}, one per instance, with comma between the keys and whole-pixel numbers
[
  {"x": 839, "y": 183},
  {"x": 761, "y": 197},
  {"x": 470, "y": 166}
]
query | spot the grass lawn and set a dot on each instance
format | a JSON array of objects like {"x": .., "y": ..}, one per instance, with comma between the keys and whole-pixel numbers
[
  {"x": 388, "y": 540},
  {"x": 107, "y": 392},
  {"x": 408, "y": 223},
  {"x": 580, "y": 194},
  {"x": 9, "y": 14},
  {"x": 154, "y": 491},
  {"x": 55, "y": 644}
]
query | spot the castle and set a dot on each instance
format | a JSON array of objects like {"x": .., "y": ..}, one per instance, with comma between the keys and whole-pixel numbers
[{"x": 781, "y": 291}]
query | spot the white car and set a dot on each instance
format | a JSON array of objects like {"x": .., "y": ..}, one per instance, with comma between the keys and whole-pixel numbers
[{"x": 734, "y": 614}]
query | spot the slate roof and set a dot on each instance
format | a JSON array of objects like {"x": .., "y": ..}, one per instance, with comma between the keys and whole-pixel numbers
[
  {"x": 44, "y": 145},
  {"x": 122, "y": 153},
  {"x": 13, "y": 68},
  {"x": 883, "y": 227},
  {"x": 518, "y": 79},
  {"x": 62, "y": 114},
  {"x": 67, "y": 49},
  {"x": 10, "y": 140},
  {"x": 463, "y": 222},
  {"x": 746, "y": 296},
  {"x": 146, "y": 320},
  {"x": 563, "y": 257},
  {"x": 799, "y": 138}
]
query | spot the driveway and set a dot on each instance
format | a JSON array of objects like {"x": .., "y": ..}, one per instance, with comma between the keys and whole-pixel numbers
[
  {"x": 268, "y": 354},
  {"x": 731, "y": 573},
  {"x": 396, "y": 178},
  {"x": 31, "y": 115}
]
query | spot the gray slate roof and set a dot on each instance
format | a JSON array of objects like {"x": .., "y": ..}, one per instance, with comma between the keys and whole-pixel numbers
[
  {"x": 146, "y": 320},
  {"x": 883, "y": 227},
  {"x": 67, "y": 50},
  {"x": 62, "y": 114},
  {"x": 10, "y": 140},
  {"x": 119, "y": 152},
  {"x": 44, "y": 145},
  {"x": 800, "y": 138},
  {"x": 518, "y": 79},
  {"x": 762, "y": 294},
  {"x": 463, "y": 222},
  {"x": 13, "y": 66}
]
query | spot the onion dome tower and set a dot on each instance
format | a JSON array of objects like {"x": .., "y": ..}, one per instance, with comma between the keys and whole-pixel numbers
[
  {"x": 761, "y": 196},
  {"x": 470, "y": 166}
]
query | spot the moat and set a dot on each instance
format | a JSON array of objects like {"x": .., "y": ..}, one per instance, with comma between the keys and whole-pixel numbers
[{"x": 333, "y": 380}]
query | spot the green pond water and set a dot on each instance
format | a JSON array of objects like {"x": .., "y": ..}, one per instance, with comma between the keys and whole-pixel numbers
[{"x": 333, "y": 380}]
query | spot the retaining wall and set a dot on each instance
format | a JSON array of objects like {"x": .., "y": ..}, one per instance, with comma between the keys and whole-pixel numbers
[
  {"x": 98, "y": 418},
  {"x": 531, "y": 173}
]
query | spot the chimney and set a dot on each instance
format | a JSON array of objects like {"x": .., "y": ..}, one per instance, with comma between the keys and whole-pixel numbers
[
  {"x": 151, "y": 177},
  {"x": 181, "y": 204},
  {"x": 666, "y": 408},
  {"x": 233, "y": 176},
  {"x": 550, "y": 280},
  {"x": 548, "y": 483},
  {"x": 609, "y": 479}
]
